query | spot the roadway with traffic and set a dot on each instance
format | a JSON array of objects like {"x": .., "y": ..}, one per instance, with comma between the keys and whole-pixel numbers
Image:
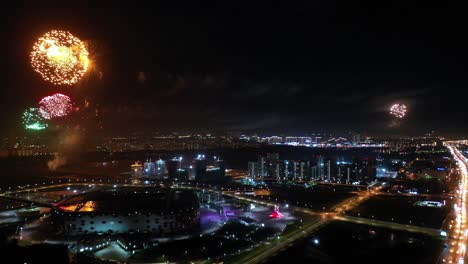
[{"x": 457, "y": 229}]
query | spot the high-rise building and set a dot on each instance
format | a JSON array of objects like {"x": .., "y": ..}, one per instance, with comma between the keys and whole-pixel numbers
[
  {"x": 160, "y": 168},
  {"x": 344, "y": 171},
  {"x": 348, "y": 175},
  {"x": 265, "y": 164},
  {"x": 281, "y": 169},
  {"x": 371, "y": 168},
  {"x": 304, "y": 168},
  {"x": 199, "y": 167},
  {"x": 261, "y": 170},
  {"x": 329, "y": 170},
  {"x": 136, "y": 170},
  {"x": 286, "y": 170},
  {"x": 295, "y": 169},
  {"x": 358, "y": 173},
  {"x": 314, "y": 175},
  {"x": 253, "y": 169},
  {"x": 215, "y": 173},
  {"x": 172, "y": 168},
  {"x": 149, "y": 168},
  {"x": 321, "y": 167},
  {"x": 277, "y": 171}
]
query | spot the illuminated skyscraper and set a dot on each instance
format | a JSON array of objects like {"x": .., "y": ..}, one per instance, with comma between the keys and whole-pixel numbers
[
  {"x": 253, "y": 169},
  {"x": 261, "y": 169},
  {"x": 321, "y": 167},
  {"x": 304, "y": 168},
  {"x": 213, "y": 174},
  {"x": 344, "y": 171},
  {"x": 149, "y": 168},
  {"x": 160, "y": 168},
  {"x": 286, "y": 169},
  {"x": 314, "y": 173},
  {"x": 277, "y": 171},
  {"x": 136, "y": 170},
  {"x": 371, "y": 168}
]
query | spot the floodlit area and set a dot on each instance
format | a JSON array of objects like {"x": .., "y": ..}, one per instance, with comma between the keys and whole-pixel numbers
[{"x": 113, "y": 252}]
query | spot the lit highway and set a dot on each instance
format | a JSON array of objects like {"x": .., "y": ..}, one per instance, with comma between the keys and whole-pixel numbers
[
  {"x": 284, "y": 242},
  {"x": 389, "y": 225},
  {"x": 457, "y": 229},
  {"x": 352, "y": 202}
]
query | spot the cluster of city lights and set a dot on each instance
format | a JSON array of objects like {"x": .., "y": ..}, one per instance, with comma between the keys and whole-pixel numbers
[
  {"x": 59, "y": 57},
  {"x": 33, "y": 120},
  {"x": 398, "y": 110},
  {"x": 56, "y": 105}
]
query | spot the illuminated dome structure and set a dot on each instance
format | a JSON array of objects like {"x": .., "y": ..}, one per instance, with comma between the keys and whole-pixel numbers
[{"x": 128, "y": 210}]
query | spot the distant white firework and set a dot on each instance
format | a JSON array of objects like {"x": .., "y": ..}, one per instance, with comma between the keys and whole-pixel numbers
[{"x": 398, "y": 110}]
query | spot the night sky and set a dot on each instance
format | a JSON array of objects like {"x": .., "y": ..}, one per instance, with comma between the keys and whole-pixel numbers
[{"x": 295, "y": 68}]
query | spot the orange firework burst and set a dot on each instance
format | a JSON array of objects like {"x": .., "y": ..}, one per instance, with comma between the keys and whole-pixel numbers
[{"x": 60, "y": 57}]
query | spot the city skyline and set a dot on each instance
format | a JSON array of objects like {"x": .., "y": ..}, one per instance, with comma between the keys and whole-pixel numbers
[{"x": 311, "y": 131}]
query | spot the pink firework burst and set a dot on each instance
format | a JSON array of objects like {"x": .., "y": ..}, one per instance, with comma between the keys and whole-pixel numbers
[
  {"x": 398, "y": 110},
  {"x": 56, "y": 105}
]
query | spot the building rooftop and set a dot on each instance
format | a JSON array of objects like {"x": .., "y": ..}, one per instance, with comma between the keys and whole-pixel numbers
[{"x": 129, "y": 200}]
